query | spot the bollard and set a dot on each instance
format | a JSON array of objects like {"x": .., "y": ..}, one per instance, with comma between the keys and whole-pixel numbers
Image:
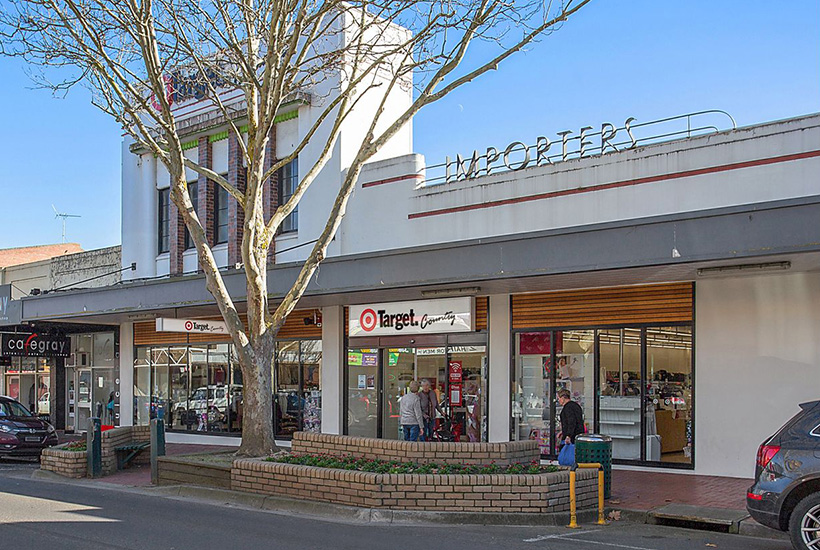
[
  {"x": 573, "y": 516},
  {"x": 94, "y": 447},
  {"x": 157, "y": 446}
]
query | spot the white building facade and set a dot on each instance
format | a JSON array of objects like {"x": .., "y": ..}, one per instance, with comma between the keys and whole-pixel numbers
[{"x": 672, "y": 285}]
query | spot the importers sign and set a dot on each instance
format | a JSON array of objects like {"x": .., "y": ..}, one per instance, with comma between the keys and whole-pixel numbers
[
  {"x": 418, "y": 317},
  {"x": 195, "y": 326},
  {"x": 35, "y": 345}
]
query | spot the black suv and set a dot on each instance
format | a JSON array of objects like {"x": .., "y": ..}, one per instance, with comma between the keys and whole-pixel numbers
[
  {"x": 786, "y": 492},
  {"x": 22, "y": 433}
]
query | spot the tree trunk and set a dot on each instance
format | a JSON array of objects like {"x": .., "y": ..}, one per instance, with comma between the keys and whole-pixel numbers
[{"x": 257, "y": 420}]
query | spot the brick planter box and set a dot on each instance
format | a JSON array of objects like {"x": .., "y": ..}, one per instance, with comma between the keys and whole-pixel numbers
[
  {"x": 75, "y": 464},
  {"x": 182, "y": 471},
  {"x": 502, "y": 454},
  {"x": 65, "y": 463},
  {"x": 525, "y": 493}
]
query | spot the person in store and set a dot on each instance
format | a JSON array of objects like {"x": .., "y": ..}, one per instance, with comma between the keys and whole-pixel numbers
[
  {"x": 572, "y": 417},
  {"x": 411, "y": 417},
  {"x": 429, "y": 406}
]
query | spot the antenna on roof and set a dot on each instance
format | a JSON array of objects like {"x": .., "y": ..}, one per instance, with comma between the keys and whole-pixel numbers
[{"x": 62, "y": 215}]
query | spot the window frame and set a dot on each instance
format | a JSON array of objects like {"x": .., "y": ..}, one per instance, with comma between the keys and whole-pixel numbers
[
  {"x": 221, "y": 195},
  {"x": 163, "y": 220},
  {"x": 189, "y": 240},
  {"x": 289, "y": 174}
]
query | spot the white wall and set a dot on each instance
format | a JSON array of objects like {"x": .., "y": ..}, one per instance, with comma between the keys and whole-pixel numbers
[
  {"x": 757, "y": 356},
  {"x": 333, "y": 360},
  {"x": 126, "y": 374},
  {"x": 499, "y": 376}
]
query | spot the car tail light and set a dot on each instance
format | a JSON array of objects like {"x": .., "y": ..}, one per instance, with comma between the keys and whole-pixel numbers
[
  {"x": 766, "y": 453},
  {"x": 754, "y": 496}
]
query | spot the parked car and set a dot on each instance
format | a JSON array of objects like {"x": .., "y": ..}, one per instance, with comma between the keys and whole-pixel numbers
[
  {"x": 786, "y": 492},
  {"x": 22, "y": 433},
  {"x": 207, "y": 403}
]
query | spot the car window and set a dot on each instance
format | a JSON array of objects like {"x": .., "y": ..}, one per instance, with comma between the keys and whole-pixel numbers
[
  {"x": 220, "y": 393},
  {"x": 12, "y": 408},
  {"x": 816, "y": 431}
]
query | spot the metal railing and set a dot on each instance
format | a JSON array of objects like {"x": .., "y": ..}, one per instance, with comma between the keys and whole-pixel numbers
[{"x": 573, "y": 515}]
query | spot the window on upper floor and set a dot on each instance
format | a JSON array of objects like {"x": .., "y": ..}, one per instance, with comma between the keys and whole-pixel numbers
[
  {"x": 288, "y": 180},
  {"x": 221, "y": 198},
  {"x": 163, "y": 220},
  {"x": 193, "y": 187}
]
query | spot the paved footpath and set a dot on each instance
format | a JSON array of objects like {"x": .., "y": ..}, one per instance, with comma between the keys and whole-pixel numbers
[{"x": 37, "y": 514}]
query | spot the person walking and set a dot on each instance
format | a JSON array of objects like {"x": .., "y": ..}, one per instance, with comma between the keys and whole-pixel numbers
[
  {"x": 411, "y": 417},
  {"x": 572, "y": 417},
  {"x": 429, "y": 406}
]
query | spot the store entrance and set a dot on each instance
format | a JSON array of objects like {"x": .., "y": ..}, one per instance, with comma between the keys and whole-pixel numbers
[{"x": 377, "y": 378}]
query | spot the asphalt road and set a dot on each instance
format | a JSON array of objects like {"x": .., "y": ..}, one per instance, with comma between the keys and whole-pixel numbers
[{"x": 37, "y": 515}]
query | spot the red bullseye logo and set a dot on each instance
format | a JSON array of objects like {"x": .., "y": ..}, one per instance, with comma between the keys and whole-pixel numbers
[
  {"x": 189, "y": 325},
  {"x": 368, "y": 320}
]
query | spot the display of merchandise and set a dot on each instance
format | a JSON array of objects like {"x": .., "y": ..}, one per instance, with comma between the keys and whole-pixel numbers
[{"x": 312, "y": 421}]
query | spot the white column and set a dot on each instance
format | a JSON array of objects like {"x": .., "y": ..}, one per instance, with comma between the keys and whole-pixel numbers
[
  {"x": 139, "y": 214},
  {"x": 126, "y": 374},
  {"x": 332, "y": 375},
  {"x": 499, "y": 377}
]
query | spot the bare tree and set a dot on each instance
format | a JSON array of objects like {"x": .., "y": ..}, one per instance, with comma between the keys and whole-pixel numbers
[{"x": 344, "y": 57}]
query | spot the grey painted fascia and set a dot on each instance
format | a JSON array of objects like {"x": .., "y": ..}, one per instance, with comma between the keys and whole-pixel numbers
[{"x": 746, "y": 231}]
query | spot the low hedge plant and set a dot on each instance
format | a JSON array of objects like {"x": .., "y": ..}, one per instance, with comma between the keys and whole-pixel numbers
[{"x": 397, "y": 467}]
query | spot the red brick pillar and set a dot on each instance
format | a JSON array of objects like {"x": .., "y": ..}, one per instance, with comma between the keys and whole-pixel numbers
[
  {"x": 236, "y": 217},
  {"x": 271, "y": 190},
  {"x": 176, "y": 245},
  {"x": 205, "y": 190}
]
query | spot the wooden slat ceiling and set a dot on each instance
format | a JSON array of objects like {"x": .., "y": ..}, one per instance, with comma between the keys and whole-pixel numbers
[{"x": 662, "y": 303}]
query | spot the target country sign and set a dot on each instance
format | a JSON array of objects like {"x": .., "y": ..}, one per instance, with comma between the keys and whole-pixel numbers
[
  {"x": 196, "y": 326},
  {"x": 418, "y": 317}
]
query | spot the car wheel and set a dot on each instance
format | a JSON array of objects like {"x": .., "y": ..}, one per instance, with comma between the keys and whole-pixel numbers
[{"x": 804, "y": 524}]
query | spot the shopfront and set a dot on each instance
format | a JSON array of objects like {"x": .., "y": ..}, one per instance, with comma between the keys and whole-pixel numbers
[
  {"x": 190, "y": 377},
  {"x": 391, "y": 344},
  {"x": 92, "y": 380},
  {"x": 29, "y": 366},
  {"x": 624, "y": 354}
]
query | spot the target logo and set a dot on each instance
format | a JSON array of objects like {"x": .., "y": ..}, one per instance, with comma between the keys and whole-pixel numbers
[
  {"x": 368, "y": 320},
  {"x": 189, "y": 325}
]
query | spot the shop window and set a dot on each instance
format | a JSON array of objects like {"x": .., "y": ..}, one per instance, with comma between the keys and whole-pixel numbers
[
  {"x": 192, "y": 191},
  {"x": 103, "y": 354},
  {"x": 362, "y": 392},
  {"x": 669, "y": 392},
  {"x": 220, "y": 213},
  {"x": 142, "y": 386},
  {"x": 287, "y": 400},
  {"x": 312, "y": 385},
  {"x": 288, "y": 181},
  {"x": 163, "y": 221},
  {"x": 621, "y": 411}
]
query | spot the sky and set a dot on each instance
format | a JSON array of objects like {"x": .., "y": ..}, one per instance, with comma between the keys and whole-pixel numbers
[{"x": 648, "y": 59}]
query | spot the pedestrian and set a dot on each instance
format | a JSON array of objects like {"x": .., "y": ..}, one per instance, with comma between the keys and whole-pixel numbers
[
  {"x": 572, "y": 417},
  {"x": 410, "y": 415},
  {"x": 429, "y": 406}
]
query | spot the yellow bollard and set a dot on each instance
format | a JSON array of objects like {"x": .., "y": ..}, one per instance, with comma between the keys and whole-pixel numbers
[
  {"x": 573, "y": 518},
  {"x": 601, "y": 520}
]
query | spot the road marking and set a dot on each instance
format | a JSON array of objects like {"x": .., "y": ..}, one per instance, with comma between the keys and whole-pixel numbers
[{"x": 565, "y": 536}]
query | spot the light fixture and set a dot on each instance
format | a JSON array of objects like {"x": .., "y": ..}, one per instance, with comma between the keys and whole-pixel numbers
[
  {"x": 442, "y": 292},
  {"x": 747, "y": 269}
]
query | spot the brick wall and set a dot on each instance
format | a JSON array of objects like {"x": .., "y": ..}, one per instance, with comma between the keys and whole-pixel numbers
[
  {"x": 75, "y": 464},
  {"x": 419, "y": 452},
  {"x": 236, "y": 216},
  {"x": 65, "y": 463},
  {"x": 524, "y": 493}
]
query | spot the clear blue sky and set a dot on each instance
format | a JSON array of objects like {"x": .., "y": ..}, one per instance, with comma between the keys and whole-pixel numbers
[{"x": 649, "y": 59}]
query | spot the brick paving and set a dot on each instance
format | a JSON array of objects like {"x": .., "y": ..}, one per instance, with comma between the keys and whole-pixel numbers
[
  {"x": 140, "y": 475},
  {"x": 646, "y": 490}
]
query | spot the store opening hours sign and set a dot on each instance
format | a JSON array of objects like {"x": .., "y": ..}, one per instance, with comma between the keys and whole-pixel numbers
[{"x": 418, "y": 317}]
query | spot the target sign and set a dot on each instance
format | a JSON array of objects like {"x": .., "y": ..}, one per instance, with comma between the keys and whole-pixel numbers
[
  {"x": 189, "y": 325},
  {"x": 367, "y": 320}
]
